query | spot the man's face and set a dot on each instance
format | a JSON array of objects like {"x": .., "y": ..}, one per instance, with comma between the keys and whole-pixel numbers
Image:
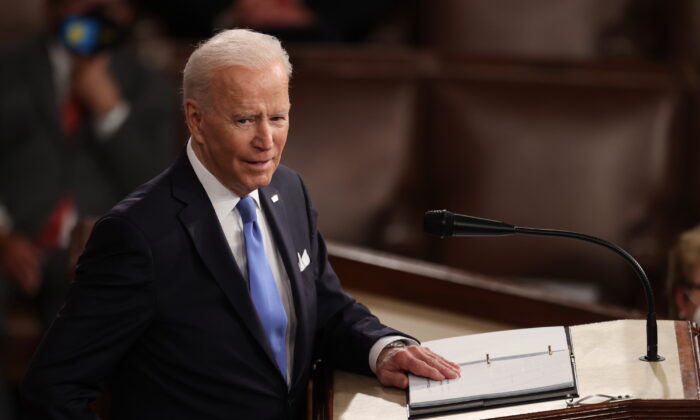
[{"x": 240, "y": 132}]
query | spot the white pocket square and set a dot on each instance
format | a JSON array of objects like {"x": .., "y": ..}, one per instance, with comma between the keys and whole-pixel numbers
[{"x": 304, "y": 260}]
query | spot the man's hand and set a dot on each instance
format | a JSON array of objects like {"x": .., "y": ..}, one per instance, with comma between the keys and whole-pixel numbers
[
  {"x": 394, "y": 362},
  {"x": 94, "y": 85},
  {"x": 21, "y": 260}
]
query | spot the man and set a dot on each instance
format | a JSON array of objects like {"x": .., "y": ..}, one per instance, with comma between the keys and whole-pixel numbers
[
  {"x": 207, "y": 293},
  {"x": 78, "y": 132}
]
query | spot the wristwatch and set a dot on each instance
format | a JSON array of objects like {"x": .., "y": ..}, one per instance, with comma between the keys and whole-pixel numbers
[{"x": 396, "y": 344}]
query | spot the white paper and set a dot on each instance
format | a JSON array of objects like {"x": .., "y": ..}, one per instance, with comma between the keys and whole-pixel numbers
[{"x": 519, "y": 363}]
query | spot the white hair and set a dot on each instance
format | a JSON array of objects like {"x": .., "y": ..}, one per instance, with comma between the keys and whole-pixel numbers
[{"x": 233, "y": 47}]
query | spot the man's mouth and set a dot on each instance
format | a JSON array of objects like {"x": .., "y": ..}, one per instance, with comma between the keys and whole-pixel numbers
[{"x": 258, "y": 163}]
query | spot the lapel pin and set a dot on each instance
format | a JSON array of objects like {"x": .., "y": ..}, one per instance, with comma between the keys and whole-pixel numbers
[{"x": 275, "y": 198}]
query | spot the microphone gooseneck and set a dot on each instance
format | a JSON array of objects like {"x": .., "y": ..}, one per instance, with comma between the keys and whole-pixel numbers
[{"x": 444, "y": 223}]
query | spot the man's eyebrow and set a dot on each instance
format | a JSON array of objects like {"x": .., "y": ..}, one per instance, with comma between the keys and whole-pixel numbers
[{"x": 246, "y": 115}]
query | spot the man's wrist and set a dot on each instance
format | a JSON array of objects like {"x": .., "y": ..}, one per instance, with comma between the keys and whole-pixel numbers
[{"x": 381, "y": 344}]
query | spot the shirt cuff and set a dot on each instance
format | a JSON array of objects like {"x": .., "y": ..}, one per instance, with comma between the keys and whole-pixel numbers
[
  {"x": 110, "y": 123},
  {"x": 383, "y": 342}
]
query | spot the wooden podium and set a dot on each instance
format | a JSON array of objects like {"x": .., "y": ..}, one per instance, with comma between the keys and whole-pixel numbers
[{"x": 607, "y": 359}]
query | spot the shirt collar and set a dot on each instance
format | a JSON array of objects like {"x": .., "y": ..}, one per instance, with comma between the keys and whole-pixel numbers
[
  {"x": 61, "y": 66},
  {"x": 222, "y": 199}
]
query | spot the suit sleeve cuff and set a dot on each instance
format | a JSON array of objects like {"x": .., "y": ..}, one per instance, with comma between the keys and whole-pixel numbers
[
  {"x": 110, "y": 123},
  {"x": 379, "y": 345}
]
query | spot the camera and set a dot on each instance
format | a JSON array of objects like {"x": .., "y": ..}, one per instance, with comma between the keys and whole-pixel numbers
[{"x": 89, "y": 34}]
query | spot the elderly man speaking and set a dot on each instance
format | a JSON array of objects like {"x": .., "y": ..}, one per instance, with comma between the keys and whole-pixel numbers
[{"x": 207, "y": 293}]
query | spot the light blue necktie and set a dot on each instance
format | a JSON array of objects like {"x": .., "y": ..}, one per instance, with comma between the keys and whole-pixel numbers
[{"x": 263, "y": 289}]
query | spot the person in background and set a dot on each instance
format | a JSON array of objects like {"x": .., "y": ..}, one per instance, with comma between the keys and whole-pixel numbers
[
  {"x": 683, "y": 278},
  {"x": 82, "y": 123}
]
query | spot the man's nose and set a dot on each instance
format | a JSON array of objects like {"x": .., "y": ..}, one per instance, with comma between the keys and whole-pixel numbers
[{"x": 263, "y": 135}]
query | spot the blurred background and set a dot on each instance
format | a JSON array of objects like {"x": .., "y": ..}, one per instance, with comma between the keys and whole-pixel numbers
[{"x": 579, "y": 115}]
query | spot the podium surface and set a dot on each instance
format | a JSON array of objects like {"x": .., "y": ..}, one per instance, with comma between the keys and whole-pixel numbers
[{"x": 607, "y": 362}]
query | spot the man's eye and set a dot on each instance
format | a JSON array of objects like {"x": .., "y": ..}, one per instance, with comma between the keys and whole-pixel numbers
[
  {"x": 277, "y": 119},
  {"x": 244, "y": 120}
]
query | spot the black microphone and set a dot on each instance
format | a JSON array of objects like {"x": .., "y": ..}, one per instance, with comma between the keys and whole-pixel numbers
[{"x": 444, "y": 223}]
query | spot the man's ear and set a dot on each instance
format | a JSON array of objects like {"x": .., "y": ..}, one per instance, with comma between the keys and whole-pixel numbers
[
  {"x": 193, "y": 118},
  {"x": 681, "y": 303}
]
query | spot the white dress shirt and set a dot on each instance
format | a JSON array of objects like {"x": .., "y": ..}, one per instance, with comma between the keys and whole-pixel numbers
[{"x": 224, "y": 202}]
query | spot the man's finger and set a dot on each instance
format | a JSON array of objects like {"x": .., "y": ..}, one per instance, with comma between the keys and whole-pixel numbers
[
  {"x": 436, "y": 361},
  {"x": 445, "y": 368},
  {"x": 422, "y": 368},
  {"x": 455, "y": 366},
  {"x": 420, "y": 361}
]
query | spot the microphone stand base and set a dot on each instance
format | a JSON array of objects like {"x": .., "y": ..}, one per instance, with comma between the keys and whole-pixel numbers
[{"x": 657, "y": 359}]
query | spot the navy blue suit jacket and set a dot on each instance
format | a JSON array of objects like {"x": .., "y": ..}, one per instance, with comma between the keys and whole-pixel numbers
[{"x": 161, "y": 318}]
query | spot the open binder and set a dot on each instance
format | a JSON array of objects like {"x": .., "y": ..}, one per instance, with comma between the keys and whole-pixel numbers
[{"x": 498, "y": 368}]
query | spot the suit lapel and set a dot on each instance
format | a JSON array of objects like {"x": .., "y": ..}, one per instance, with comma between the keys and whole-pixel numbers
[
  {"x": 276, "y": 213},
  {"x": 199, "y": 219}
]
